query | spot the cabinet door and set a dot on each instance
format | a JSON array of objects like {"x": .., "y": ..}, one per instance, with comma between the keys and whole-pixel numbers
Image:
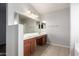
[
  {"x": 38, "y": 41},
  {"x": 33, "y": 45},
  {"x": 43, "y": 39},
  {"x": 27, "y": 47}
]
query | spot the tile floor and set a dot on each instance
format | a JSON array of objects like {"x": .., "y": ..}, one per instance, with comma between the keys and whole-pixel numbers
[{"x": 51, "y": 50}]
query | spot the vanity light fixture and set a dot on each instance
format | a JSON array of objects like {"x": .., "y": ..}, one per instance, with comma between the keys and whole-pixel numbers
[
  {"x": 31, "y": 14},
  {"x": 44, "y": 21}
]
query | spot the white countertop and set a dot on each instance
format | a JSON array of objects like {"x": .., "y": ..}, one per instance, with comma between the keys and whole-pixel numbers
[{"x": 31, "y": 35}]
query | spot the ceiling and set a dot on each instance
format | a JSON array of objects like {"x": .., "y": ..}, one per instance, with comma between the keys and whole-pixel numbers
[{"x": 44, "y": 8}]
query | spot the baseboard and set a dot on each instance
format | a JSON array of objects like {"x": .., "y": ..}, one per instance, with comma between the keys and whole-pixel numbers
[{"x": 58, "y": 45}]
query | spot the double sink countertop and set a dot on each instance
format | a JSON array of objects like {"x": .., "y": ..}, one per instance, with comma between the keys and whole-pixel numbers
[{"x": 32, "y": 35}]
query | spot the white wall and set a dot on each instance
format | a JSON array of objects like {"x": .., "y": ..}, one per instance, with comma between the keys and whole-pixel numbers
[
  {"x": 74, "y": 27},
  {"x": 11, "y": 41},
  {"x": 58, "y": 27}
]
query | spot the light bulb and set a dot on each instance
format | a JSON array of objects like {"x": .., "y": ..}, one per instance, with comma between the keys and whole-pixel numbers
[{"x": 44, "y": 21}]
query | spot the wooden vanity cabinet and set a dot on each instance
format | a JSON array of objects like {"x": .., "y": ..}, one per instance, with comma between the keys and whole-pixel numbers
[
  {"x": 38, "y": 40},
  {"x": 41, "y": 40},
  {"x": 44, "y": 39},
  {"x": 32, "y": 45},
  {"x": 29, "y": 46}
]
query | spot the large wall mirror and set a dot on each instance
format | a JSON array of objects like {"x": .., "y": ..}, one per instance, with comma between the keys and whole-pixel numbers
[{"x": 29, "y": 25}]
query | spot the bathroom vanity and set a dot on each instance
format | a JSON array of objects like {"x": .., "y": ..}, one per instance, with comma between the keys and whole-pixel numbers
[
  {"x": 31, "y": 44},
  {"x": 41, "y": 40},
  {"x": 33, "y": 34}
]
